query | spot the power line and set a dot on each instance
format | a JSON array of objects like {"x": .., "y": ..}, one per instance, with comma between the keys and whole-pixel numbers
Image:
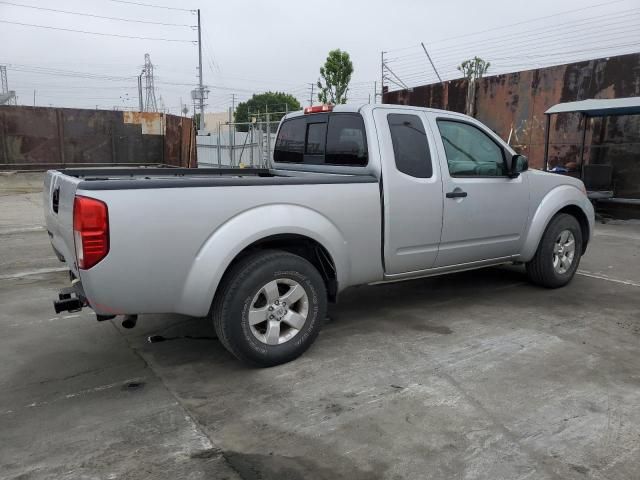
[
  {"x": 452, "y": 74},
  {"x": 42, "y": 87},
  {"x": 406, "y": 69},
  {"x": 569, "y": 40},
  {"x": 513, "y": 24},
  {"x": 95, "y": 76},
  {"x": 537, "y": 33},
  {"x": 153, "y": 6},
  {"x": 67, "y": 73},
  {"x": 120, "y": 19},
  {"x": 98, "y": 33}
]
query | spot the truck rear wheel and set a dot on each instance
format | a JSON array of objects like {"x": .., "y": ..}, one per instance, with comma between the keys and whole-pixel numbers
[
  {"x": 270, "y": 307},
  {"x": 558, "y": 255}
]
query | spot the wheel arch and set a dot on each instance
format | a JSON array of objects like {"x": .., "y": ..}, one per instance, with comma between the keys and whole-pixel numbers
[
  {"x": 576, "y": 212},
  {"x": 564, "y": 199},
  {"x": 302, "y": 231},
  {"x": 303, "y": 246}
]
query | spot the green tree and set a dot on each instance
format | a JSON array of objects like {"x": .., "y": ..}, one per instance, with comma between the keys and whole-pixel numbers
[
  {"x": 259, "y": 104},
  {"x": 336, "y": 72},
  {"x": 474, "y": 68}
]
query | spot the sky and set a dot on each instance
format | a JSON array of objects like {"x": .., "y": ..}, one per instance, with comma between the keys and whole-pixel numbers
[{"x": 252, "y": 46}]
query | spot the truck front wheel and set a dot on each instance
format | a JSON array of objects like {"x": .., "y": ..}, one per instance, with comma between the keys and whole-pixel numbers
[
  {"x": 270, "y": 307},
  {"x": 558, "y": 255}
]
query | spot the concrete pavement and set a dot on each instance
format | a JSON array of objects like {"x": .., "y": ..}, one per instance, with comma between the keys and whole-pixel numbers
[{"x": 476, "y": 375}]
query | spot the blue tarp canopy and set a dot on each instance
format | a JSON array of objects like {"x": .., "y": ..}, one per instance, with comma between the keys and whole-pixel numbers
[{"x": 599, "y": 107}]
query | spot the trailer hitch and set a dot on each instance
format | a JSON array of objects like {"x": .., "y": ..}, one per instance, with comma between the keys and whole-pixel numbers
[{"x": 69, "y": 300}]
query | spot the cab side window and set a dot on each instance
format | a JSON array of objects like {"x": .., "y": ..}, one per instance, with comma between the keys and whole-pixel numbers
[
  {"x": 346, "y": 141},
  {"x": 410, "y": 145},
  {"x": 470, "y": 151}
]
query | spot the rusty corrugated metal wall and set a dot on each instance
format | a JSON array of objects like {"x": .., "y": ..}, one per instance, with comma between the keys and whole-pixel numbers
[
  {"x": 37, "y": 138},
  {"x": 514, "y": 104}
]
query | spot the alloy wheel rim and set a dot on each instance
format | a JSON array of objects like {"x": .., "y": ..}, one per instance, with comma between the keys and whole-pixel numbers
[
  {"x": 278, "y": 311},
  {"x": 564, "y": 250}
]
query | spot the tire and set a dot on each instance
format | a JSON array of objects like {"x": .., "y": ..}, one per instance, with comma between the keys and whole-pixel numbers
[
  {"x": 247, "y": 294},
  {"x": 551, "y": 266}
]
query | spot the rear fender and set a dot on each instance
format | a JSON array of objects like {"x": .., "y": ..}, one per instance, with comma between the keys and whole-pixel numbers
[
  {"x": 246, "y": 228},
  {"x": 554, "y": 201}
]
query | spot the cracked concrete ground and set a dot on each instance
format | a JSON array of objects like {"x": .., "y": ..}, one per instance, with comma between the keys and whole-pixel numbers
[{"x": 477, "y": 375}]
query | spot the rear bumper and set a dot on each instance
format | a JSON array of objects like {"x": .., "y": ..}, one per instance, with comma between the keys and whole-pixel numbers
[{"x": 73, "y": 299}]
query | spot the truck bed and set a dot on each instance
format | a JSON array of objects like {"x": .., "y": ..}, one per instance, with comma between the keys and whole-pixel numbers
[
  {"x": 173, "y": 231},
  {"x": 144, "y": 178}
]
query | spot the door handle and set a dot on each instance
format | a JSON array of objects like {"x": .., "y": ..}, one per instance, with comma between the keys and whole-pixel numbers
[{"x": 456, "y": 194}]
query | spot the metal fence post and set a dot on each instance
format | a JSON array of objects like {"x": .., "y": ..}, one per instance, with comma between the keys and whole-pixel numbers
[
  {"x": 268, "y": 158},
  {"x": 251, "y": 131},
  {"x": 219, "y": 146}
]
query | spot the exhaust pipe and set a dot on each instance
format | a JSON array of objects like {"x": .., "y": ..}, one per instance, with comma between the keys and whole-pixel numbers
[{"x": 129, "y": 321}]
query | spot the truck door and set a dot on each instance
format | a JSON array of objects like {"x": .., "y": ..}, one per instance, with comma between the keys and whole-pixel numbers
[
  {"x": 412, "y": 190},
  {"x": 485, "y": 212}
]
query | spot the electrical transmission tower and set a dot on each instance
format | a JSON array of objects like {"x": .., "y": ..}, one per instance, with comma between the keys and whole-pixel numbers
[
  {"x": 150, "y": 104},
  {"x": 7, "y": 97}
]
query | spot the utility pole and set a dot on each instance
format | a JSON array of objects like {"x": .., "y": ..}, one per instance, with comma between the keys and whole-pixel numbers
[
  {"x": 375, "y": 92},
  {"x": 311, "y": 97},
  {"x": 140, "y": 103},
  {"x": 229, "y": 124},
  {"x": 431, "y": 62},
  {"x": 34, "y": 98},
  {"x": 381, "y": 77},
  {"x": 200, "y": 86}
]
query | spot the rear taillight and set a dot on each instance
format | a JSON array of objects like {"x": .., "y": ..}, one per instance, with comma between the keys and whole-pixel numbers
[{"x": 90, "y": 231}]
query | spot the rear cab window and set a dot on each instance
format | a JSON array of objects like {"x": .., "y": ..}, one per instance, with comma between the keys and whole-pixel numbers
[
  {"x": 290, "y": 142},
  {"x": 337, "y": 139}
]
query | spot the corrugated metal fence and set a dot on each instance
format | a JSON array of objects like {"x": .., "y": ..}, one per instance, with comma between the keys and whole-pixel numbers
[
  {"x": 38, "y": 138},
  {"x": 513, "y": 105}
]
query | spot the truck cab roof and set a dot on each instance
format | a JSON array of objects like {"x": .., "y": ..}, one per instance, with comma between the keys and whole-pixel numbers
[{"x": 359, "y": 107}]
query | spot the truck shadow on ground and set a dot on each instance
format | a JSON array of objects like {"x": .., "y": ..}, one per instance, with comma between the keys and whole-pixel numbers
[{"x": 415, "y": 304}]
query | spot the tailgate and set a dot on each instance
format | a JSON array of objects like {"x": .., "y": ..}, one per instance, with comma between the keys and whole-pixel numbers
[{"x": 59, "y": 193}]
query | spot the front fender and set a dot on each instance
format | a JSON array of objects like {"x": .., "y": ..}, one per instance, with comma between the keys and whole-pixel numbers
[
  {"x": 246, "y": 228},
  {"x": 554, "y": 201}
]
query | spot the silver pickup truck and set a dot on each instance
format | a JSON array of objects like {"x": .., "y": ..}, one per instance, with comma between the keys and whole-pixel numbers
[{"x": 357, "y": 195}]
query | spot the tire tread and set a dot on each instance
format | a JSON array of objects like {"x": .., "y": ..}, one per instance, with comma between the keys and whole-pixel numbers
[
  {"x": 539, "y": 269},
  {"x": 233, "y": 279}
]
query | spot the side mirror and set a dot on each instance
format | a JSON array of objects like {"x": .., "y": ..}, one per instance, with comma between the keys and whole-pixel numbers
[{"x": 519, "y": 164}]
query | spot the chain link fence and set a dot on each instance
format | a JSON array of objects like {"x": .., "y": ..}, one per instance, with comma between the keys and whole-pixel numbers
[{"x": 226, "y": 146}]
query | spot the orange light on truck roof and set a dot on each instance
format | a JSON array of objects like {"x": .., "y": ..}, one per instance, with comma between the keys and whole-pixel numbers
[{"x": 318, "y": 109}]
